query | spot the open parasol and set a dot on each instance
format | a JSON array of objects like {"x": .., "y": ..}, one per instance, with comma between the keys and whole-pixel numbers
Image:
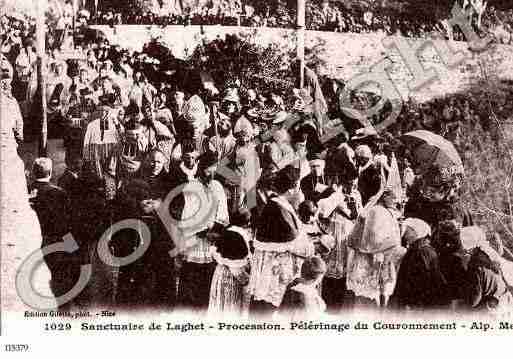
[{"x": 429, "y": 149}]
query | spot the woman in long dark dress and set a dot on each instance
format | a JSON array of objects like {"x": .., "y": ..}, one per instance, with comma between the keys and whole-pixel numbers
[{"x": 420, "y": 283}]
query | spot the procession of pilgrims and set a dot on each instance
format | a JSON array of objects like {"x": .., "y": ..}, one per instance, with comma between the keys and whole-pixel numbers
[{"x": 289, "y": 224}]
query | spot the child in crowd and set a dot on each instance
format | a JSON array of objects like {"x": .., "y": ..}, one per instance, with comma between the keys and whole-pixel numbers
[{"x": 302, "y": 299}]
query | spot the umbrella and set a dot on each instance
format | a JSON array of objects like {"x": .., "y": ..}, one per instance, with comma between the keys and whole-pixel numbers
[{"x": 429, "y": 149}]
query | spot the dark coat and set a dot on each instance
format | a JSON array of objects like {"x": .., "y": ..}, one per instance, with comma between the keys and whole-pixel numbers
[
  {"x": 51, "y": 204},
  {"x": 160, "y": 185},
  {"x": 53, "y": 210},
  {"x": 453, "y": 266},
  {"x": 485, "y": 283},
  {"x": 308, "y": 187},
  {"x": 72, "y": 185},
  {"x": 87, "y": 207},
  {"x": 149, "y": 280},
  {"x": 433, "y": 213},
  {"x": 276, "y": 224},
  {"x": 176, "y": 177},
  {"x": 420, "y": 283},
  {"x": 369, "y": 183}
]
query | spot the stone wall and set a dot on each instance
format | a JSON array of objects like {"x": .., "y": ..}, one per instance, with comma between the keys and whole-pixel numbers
[{"x": 345, "y": 55}]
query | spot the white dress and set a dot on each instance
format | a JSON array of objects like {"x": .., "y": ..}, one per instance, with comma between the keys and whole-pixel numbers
[
  {"x": 228, "y": 291},
  {"x": 367, "y": 277},
  {"x": 275, "y": 265}
]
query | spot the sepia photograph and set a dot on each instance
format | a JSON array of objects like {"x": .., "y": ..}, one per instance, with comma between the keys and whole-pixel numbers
[{"x": 247, "y": 166}]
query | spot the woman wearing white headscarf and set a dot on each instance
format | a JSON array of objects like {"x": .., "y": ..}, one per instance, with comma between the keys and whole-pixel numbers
[{"x": 376, "y": 250}]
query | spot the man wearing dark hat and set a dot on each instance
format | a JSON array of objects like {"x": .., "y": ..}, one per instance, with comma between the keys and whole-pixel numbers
[
  {"x": 81, "y": 81},
  {"x": 177, "y": 103}
]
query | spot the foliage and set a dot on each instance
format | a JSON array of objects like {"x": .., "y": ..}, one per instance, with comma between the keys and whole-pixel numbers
[
  {"x": 242, "y": 57},
  {"x": 488, "y": 159}
]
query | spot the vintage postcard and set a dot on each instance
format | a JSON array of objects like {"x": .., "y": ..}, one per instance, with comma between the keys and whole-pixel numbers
[{"x": 224, "y": 167}]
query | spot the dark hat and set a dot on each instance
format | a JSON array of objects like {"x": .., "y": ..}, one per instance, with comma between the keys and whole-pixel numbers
[
  {"x": 233, "y": 246},
  {"x": 107, "y": 99},
  {"x": 306, "y": 209},
  {"x": 85, "y": 91},
  {"x": 208, "y": 159},
  {"x": 287, "y": 178}
]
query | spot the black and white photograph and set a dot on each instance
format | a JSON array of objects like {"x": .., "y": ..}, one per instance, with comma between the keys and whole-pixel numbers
[{"x": 246, "y": 165}]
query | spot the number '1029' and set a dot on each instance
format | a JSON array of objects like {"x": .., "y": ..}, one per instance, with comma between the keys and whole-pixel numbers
[{"x": 57, "y": 326}]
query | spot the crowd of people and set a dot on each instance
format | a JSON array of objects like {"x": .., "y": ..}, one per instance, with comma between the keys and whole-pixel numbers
[
  {"x": 291, "y": 224},
  {"x": 320, "y": 16},
  {"x": 323, "y": 16}
]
